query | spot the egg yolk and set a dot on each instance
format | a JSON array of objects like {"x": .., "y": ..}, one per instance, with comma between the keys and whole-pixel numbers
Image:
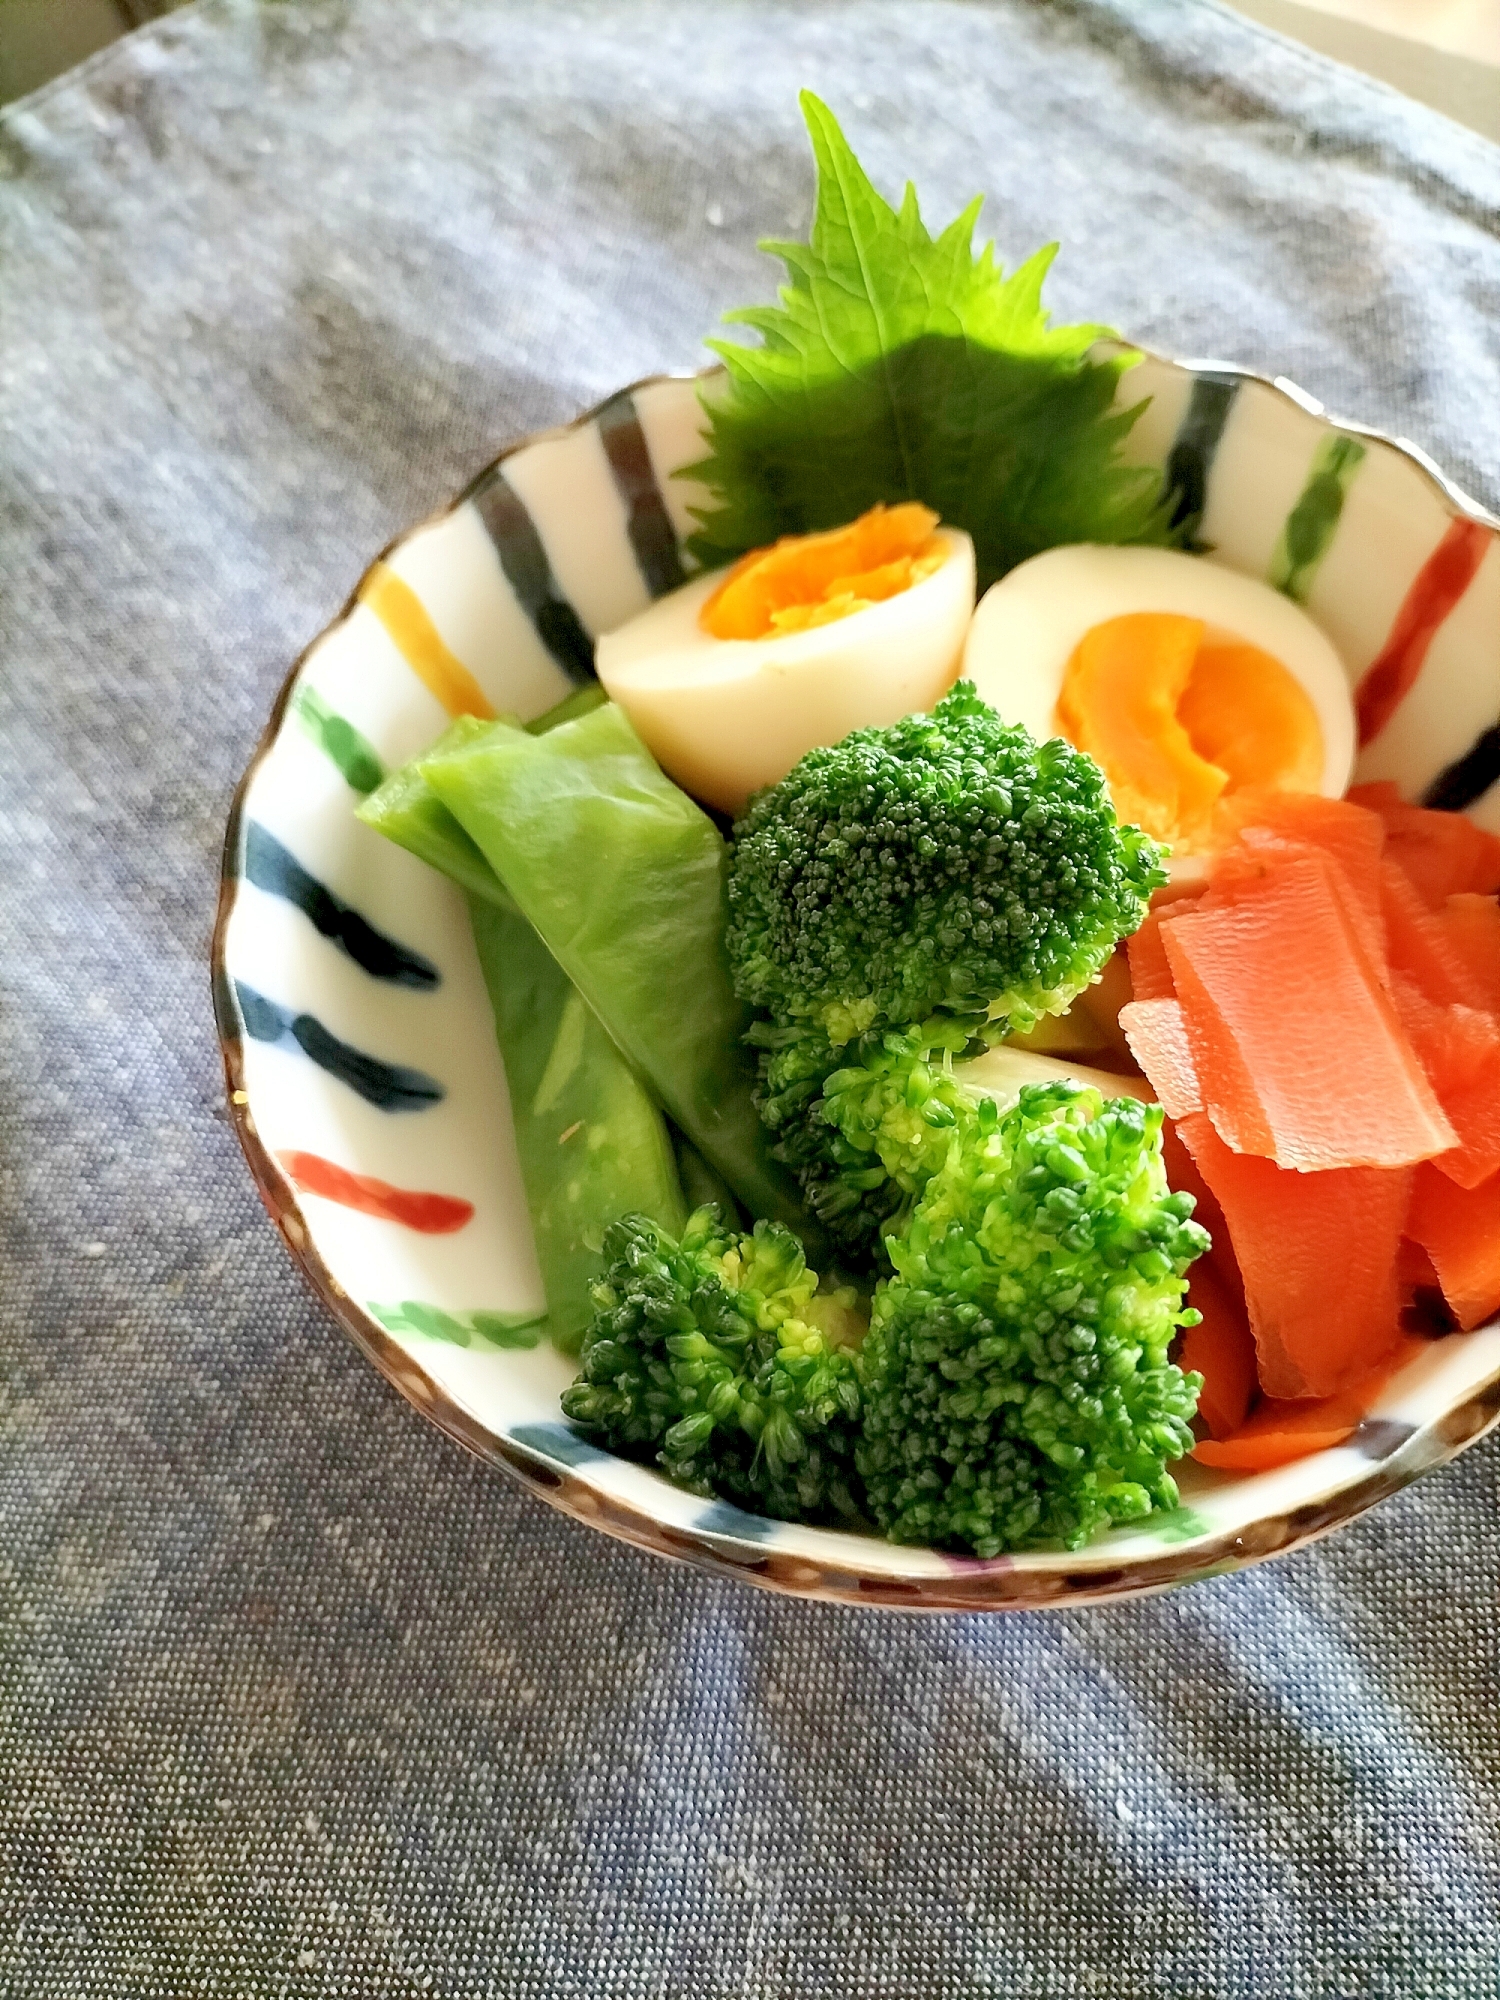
[
  {"x": 1178, "y": 721},
  {"x": 807, "y": 580}
]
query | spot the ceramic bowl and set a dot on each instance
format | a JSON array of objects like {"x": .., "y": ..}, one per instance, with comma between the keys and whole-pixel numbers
[{"x": 362, "y": 1069}]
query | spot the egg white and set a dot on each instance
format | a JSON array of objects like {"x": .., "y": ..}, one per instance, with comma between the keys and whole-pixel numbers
[
  {"x": 1028, "y": 625},
  {"x": 726, "y": 716}
]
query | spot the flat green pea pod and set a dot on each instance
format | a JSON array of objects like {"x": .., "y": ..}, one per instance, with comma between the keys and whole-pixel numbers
[
  {"x": 591, "y": 1142},
  {"x": 592, "y": 1145},
  {"x": 408, "y": 811},
  {"x": 623, "y": 876}
]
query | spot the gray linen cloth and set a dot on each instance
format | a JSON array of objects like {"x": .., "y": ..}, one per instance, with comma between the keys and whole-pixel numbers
[{"x": 294, "y": 1699}]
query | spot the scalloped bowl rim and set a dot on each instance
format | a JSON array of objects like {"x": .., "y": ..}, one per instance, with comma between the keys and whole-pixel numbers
[{"x": 829, "y": 1565}]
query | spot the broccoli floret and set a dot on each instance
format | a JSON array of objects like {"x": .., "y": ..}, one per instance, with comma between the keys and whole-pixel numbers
[
  {"x": 945, "y": 864},
  {"x": 865, "y": 1125},
  {"x": 1015, "y": 1381},
  {"x": 718, "y": 1358}
]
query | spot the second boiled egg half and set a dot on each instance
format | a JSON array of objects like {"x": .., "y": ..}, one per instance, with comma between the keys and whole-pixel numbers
[
  {"x": 1185, "y": 681},
  {"x": 731, "y": 678}
]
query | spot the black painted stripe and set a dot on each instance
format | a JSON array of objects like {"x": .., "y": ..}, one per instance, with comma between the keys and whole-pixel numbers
[
  {"x": 1189, "y": 462},
  {"x": 647, "y": 522},
  {"x": 1469, "y": 778},
  {"x": 271, "y": 867},
  {"x": 529, "y": 575},
  {"x": 556, "y": 1441},
  {"x": 388, "y": 1086}
]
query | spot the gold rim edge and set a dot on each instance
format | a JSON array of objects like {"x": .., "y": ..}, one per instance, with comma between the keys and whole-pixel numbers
[{"x": 990, "y": 1588}]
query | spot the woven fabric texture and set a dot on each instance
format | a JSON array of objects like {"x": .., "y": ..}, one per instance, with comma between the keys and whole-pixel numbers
[{"x": 294, "y": 1699}]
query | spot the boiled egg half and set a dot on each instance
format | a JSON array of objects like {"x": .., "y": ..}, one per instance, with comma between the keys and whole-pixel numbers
[
  {"x": 730, "y": 679},
  {"x": 1186, "y": 682}
]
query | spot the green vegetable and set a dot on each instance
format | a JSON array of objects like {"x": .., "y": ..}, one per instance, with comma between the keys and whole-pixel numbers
[
  {"x": 944, "y": 864},
  {"x": 581, "y": 701},
  {"x": 702, "y": 1185},
  {"x": 865, "y": 1126},
  {"x": 902, "y": 367},
  {"x": 409, "y": 812},
  {"x": 590, "y": 1141},
  {"x": 1015, "y": 1381},
  {"x": 716, "y": 1357},
  {"x": 623, "y": 876},
  {"x": 895, "y": 902}
]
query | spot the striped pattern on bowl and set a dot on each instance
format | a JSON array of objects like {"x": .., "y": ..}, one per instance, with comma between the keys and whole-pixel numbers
[{"x": 362, "y": 1069}]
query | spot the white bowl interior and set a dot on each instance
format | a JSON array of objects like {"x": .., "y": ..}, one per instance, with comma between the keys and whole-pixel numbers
[{"x": 578, "y": 529}]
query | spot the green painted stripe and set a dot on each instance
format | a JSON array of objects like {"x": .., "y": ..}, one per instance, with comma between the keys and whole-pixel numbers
[
  {"x": 1308, "y": 532},
  {"x": 485, "y": 1329},
  {"x": 339, "y": 741}
]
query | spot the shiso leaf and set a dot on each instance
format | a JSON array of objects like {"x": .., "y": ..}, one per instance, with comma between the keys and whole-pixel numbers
[{"x": 899, "y": 366}]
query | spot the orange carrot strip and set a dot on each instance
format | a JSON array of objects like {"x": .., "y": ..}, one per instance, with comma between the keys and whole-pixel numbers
[
  {"x": 1418, "y": 946},
  {"x": 1317, "y": 1253},
  {"x": 1459, "y": 1048},
  {"x": 1221, "y": 1348},
  {"x": 1471, "y": 926},
  {"x": 1351, "y": 836},
  {"x": 1262, "y": 982},
  {"x": 1159, "y": 1042},
  {"x": 1444, "y": 854},
  {"x": 1279, "y": 1433},
  {"x": 1150, "y": 974},
  {"x": 1459, "y": 1228}
]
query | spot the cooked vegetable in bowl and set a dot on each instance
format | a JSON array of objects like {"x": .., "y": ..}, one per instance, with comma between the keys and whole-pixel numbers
[{"x": 945, "y": 1048}]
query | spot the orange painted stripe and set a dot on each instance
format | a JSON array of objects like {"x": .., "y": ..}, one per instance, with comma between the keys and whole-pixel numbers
[
  {"x": 421, "y": 645},
  {"x": 432, "y": 1214}
]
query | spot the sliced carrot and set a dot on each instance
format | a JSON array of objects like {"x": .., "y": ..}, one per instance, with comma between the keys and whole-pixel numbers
[
  {"x": 1225, "y": 1083},
  {"x": 1471, "y": 926},
  {"x": 1418, "y": 946},
  {"x": 1424, "y": 1310},
  {"x": 1459, "y": 1048},
  {"x": 1219, "y": 1258},
  {"x": 1150, "y": 975},
  {"x": 1221, "y": 1348},
  {"x": 1279, "y": 1433},
  {"x": 1351, "y": 836},
  {"x": 1443, "y": 854},
  {"x": 1459, "y": 1228},
  {"x": 1317, "y": 1253},
  {"x": 1158, "y": 1040},
  {"x": 1298, "y": 1049}
]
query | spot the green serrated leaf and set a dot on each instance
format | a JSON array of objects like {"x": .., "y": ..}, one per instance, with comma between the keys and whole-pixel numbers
[{"x": 899, "y": 366}]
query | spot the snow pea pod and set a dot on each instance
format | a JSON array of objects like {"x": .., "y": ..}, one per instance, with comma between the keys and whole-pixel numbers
[
  {"x": 408, "y": 811},
  {"x": 592, "y": 1145},
  {"x": 623, "y": 876},
  {"x": 591, "y": 1142}
]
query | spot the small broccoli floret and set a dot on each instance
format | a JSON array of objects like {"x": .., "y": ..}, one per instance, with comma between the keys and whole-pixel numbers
[
  {"x": 1016, "y": 1386},
  {"x": 719, "y": 1358},
  {"x": 865, "y": 1125},
  {"x": 945, "y": 864}
]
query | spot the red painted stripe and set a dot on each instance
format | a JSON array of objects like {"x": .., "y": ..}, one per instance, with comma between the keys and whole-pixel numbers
[
  {"x": 1440, "y": 583},
  {"x": 432, "y": 1214}
]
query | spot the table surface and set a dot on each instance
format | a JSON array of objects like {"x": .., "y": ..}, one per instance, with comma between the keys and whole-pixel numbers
[{"x": 295, "y": 1699}]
